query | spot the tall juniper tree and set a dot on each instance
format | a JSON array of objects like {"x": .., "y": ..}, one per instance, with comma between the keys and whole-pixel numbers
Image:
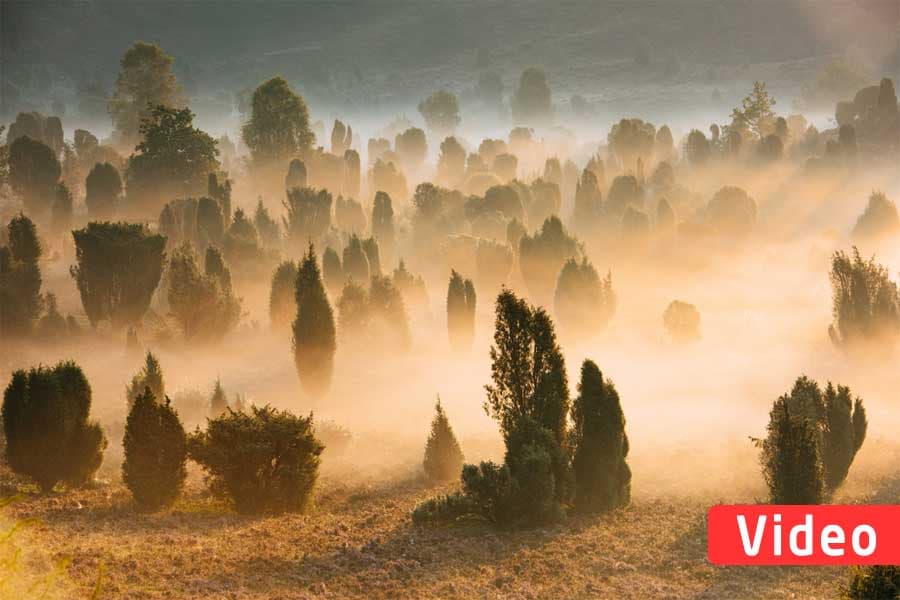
[
  {"x": 150, "y": 377},
  {"x": 20, "y": 278},
  {"x": 282, "y": 306},
  {"x": 460, "y": 312},
  {"x": 314, "y": 340}
]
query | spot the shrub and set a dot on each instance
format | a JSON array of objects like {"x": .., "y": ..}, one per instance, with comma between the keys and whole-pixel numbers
[
  {"x": 45, "y": 422},
  {"x": 263, "y": 461},
  {"x": 314, "y": 341},
  {"x": 282, "y": 305},
  {"x": 865, "y": 303},
  {"x": 460, "y": 312},
  {"x": 150, "y": 377},
  {"x": 155, "y": 446},
  {"x": 356, "y": 262},
  {"x": 103, "y": 187},
  {"x": 790, "y": 457},
  {"x": 873, "y": 582},
  {"x": 682, "y": 321},
  {"x": 443, "y": 456},
  {"x": 542, "y": 255},
  {"x": 118, "y": 268},
  {"x": 602, "y": 477},
  {"x": 202, "y": 304},
  {"x": 584, "y": 303},
  {"x": 332, "y": 271},
  {"x": 218, "y": 402},
  {"x": 20, "y": 278},
  {"x": 308, "y": 215},
  {"x": 879, "y": 219},
  {"x": 732, "y": 211}
]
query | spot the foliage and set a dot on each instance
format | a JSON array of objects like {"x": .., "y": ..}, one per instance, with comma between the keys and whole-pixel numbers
[
  {"x": 266, "y": 227},
  {"x": 732, "y": 211},
  {"x": 20, "y": 278},
  {"x": 583, "y": 302},
  {"x": 314, "y": 342},
  {"x": 202, "y": 303},
  {"x": 103, "y": 187},
  {"x": 532, "y": 101},
  {"x": 282, "y": 307},
  {"x": 873, "y": 582},
  {"x": 602, "y": 477},
  {"x": 412, "y": 147},
  {"x": 440, "y": 111},
  {"x": 218, "y": 402},
  {"x": 278, "y": 128},
  {"x": 865, "y": 302},
  {"x": 443, "y": 455},
  {"x": 460, "y": 312},
  {"x": 755, "y": 112},
  {"x": 263, "y": 460},
  {"x": 45, "y": 422},
  {"x": 790, "y": 457},
  {"x": 631, "y": 140},
  {"x": 33, "y": 174},
  {"x": 682, "y": 321},
  {"x": 542, "y": 255},
  {"x": 150, "y": 377},
  {"x": 696, "y": 148},
  {"x": 308, "y": 215},
  {"x": 118, "y": 268},
  {"x": 878, "y": 220},
  {"x": 155, "y": 447},
  {"x": 355, "y": 261},
  {"x": 625, "y": 191}
]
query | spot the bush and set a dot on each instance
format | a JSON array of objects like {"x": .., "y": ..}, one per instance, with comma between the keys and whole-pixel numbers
[
  {"x": 732, "y": 211},
  {"x": 790, "y": 457},
  {"x": 155, "y": 446},
  {"x": 314, "y": 342},
  {"x": 282, "y": 306},
  {"x": 443, "y": 456},
  {"x": 873, "y": 582},
  {"x": 151, "y": 377},
  {"x": 865, "y": 303},
  {"x": 682, "y": 321},
  {"x": 308, "y": 215},
  {"x": 263, "y": 461},
  {"x": 879, "y": 219},
  {"x": 460, "y": 312},
  {"x": 20, "y": 278},
  {"x": 584, "y": 303},
  {"x": 103, "y": 188},
  {"x": 542, "y": 255},
  {"x": 45, "y": 421},
  {"x": 356, "y": 262},
  {"x": 202, "y": 304},
  {"x": 602, "y": 477},
  {"x": 218, "y": 402}
]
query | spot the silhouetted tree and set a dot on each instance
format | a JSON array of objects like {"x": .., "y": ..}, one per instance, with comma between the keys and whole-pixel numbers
[
  {"x": 218, "y": 187},
  {"x": 682, "y": 321},
  {"x": 313, "y": 329},
  {"x": 665, "y": 216},
  {"x": 451, "y": 165},
  {"x": 389, "y": 322},
  {"x": 332, "y": 271},
  {"x": 155, "y": 447},
  {"x": 387, "y": 178},
  {"x": 443, "y": 456},
  {"x": 588, "y": 203},
  {"x": 441, "y": 111},
  {"x": 149, "y": 377},
  {"x": 308, "y": 215},
  {"x": 282, "y": 305},
  {"x": 873, "y": 582},
  {"x": 118, "y": 268},
  {"x": 732, "y": 211},
  {"x": 412, "y": 287},
  {"x": 630, "y": 140},
  {"x": 266, "y": 227},
  {"x": 770, "y": 148},
  {"x": 202, "y": 303},
  {"x": 145, "y": 80},
  {"x": 20, "y": 278},
  {"x": 103, "y": 187},
  {"x": 460, "y": 312},
  {"x": 755, "y": 112},
  {"x": 34, "y": 172},
  {"x": 602, "y": 476},
  {"x": 790, "y": 458},
  {"x": 865, "y": 302},
  {"x": 45, "y": 422},
  {"x": 370, "y": 247},
  {"x": 696, "y": 148},
  {"x": 542, "y": 255},
  {"x": 355, "y": 261},
  {"x": 61, "y": 209},
  {"x": 879, "y": 219},
  {"x": 296, "y": 175},
  {"x": 349, "y": 216},
  {"x": 532, "y": 101},
  {"x": 584, "y": 303},
  {"x": 352, "y": 174},
  {"x": 38, "y": 127},
  {"x": 51, "y": 326},
  {"x": 625, "y": 191},
  {"x": 262, "y": 460},
  {"x": 341, "y": 137},
  {"x": 383, "y": 225},
  {"x": 278, "y": 128},
  {"x": 218, "y": 402},
  {"x": 411, "y": 147}
]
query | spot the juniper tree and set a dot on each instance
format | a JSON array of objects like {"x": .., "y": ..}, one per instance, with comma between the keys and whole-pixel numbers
[
  {"x": 879, "y": 219},
  {"x": 412, "y": 287},
  {"x": 602, "y": 476},
  {"x": 584, "y": 303},
  {"x": 282, "y": 306},
  {"x": 103, "y": 187},
  {"x": 682, "y": 321},
  {"x": 218, "y": 402},
  {"x": 262, "y": 461},
  {"x": 118, "y": 268},
  {"x": 352, "y": 173},
  {"x": 34, "y": 172},
  {"x": 732, "y": 211},
  {"x": 873, "y": 582},
  {"x": 865, "y": 302},
  {"x": 241, "y": 246},
  {"x": 443, "y": 455},
  {"x": 370, "y": 246},
  {"x": 296, "y": 176},
  {"x": 51, "y": 326},
  {"x": 308, "y": 215},
  {"x": 332, "y": 271},
  {"x": 383, "y": 223},
  {"x": 389, "y": 322},
  {"x": 460, "y": 312},
  {"x": 150, "y": 377},
  {"x": 314, "y": 341},
  {"x": 790, "y": 458},
  {"x": 349, "y": 216},
  {"x": 45, "y": 421},
  {"x": 843, "y": 433},
  {"x": 353, "y": 311},
  {"x": 588, "y": 203},
  {"x": 278, "y": 127},
  {"x": 155, "y": 446},
  {"x": 266, "y": 226},
  {"x": 665, "y": 216},
  {"x": 61, "y": 210},
  {"x": 625, "y": 191},
  {"x": 20, "y": 275},
  {"x": 202, "y": 303},
  {"x": 218, "y": 187},
  {"x": 356, "y": 262},
  {"x": 542, "y": 255}
]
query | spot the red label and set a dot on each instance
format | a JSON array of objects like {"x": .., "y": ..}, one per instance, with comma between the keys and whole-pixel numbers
[{"x": 770, "y": 534}]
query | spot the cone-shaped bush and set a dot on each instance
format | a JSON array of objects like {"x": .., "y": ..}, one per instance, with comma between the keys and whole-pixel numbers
[
  {"x": 843, "y": 433},
  {"x": 282, "y": 305},
  {"x": 150, "y": 376},
  {"x": 583, "y": 302},
  {"x": 314, "y": 340},
  {"x": 218, "y": 402},
  {"x": 443, "y": 457},
  {"x": 202, "y": 303},
  {"x": 602, "y": 476},
  {"x": 790, "y": 458},
  {"x": 460, "y": 312},
  {"x": 542, "y": 256},
  {"x": 45, "y": 420},
  {"x": 20, "y": 274},
  {"x": 155, "y": 452},
  {"x": 263, "y": 460}
]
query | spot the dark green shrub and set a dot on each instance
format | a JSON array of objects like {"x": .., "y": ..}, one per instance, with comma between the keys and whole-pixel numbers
[
  {"x": 443, "y": 456},
  {"x": 460, "y": 312},
  {"x": 790, "y": 457},
  {"x": 203, "y": 304},
  {"x": 865, "y": 303},
  {"x": 263, "y": 461},
  {"x": 20, "y": 278},
  {"x": 873, "y": 582},
  {"x": 314, "y": 340},
  {"x": 602, "y": 476},
  {"x": 151, "y": 377},
  {"x": 282, "y": 305},
  {"x": 155, "y": 446},
  {"x": 45, "y": 421}
]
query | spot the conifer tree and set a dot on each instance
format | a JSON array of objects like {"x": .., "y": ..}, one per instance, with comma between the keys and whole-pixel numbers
[
  {"x": 356, "y": 262},
  {"x": 282, "y": 306},
  {"x": 443, "y": 456},
  {"x": 20, "y": 278},
  {"x": 389, "y": 322},
  {"x": 792, "y": 466},
  {"x": 202, "y": 303},
  {"x": 584, "y": 303},
  {"x": 151, "y": 377},
  {"x": 682, "y": 321},
  {"x": 370, "y": 246},
  {"x": 155, "y": 447},
  {"x": 314, "y": 341},
  {"x": 332, "y": 272},
  {"x": 45, "y": 422},
  {"x": 460, "y": 312},
  {"x": 218, "y": 402},
  {"x": 542, "y": 256},
  {"x": 266, "y": 226},
  {"x": 602, "y": 476}
]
